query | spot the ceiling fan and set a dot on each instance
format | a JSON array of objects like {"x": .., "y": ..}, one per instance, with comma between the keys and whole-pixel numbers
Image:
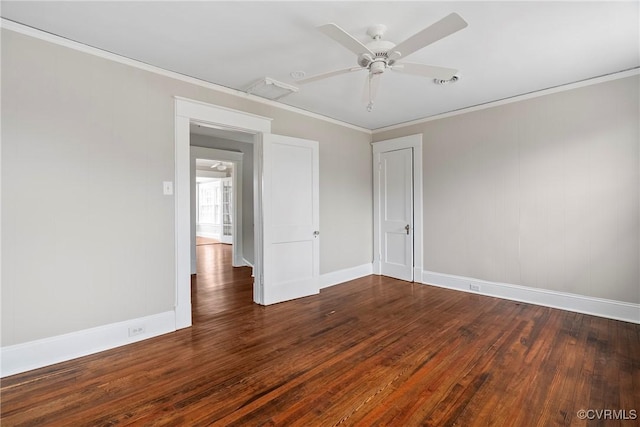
[{"x": 379, "y": 55}]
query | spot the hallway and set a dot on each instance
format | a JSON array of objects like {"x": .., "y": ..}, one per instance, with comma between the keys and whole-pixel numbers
[{"x": 218, "y": 286}]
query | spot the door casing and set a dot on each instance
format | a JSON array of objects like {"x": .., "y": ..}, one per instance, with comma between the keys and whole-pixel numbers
[
  {"x": 186, "y": 111},
  {"x": 415, "y": 142}
]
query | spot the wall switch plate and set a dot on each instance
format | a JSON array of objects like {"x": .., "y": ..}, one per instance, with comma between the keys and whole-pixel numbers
[{"x": 167, "y": 188}]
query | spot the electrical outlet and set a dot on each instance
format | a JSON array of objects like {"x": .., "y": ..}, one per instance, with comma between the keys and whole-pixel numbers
[
  {"x": 474, "y": 287},
  {"x": 136, "y": 330}
]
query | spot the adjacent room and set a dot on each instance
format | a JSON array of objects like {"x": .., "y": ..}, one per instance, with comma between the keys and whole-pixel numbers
[{"x": 419, "y": 213}]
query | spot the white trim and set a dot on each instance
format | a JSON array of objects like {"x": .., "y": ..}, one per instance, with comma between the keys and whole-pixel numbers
[
  {"x": 338, "y": 277},
  {"x": 409, "y": 141},
  {"x": 51, "y": 38},
  {"x": 187, "y": 110},
  {"x": 601, "y": 307},
  {"x": 48, "y": 351},
  {"x": 236, "y": 176},
  {"x": 209, "y": 176},
  {"x": 258, "y": 226},
  {"x": 517, "y": 98},
  {"x": 248, "y": 264},
  {"x": 228, "y": 117}
]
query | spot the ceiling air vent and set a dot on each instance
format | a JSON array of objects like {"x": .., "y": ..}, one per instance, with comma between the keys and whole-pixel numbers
[{"x": 271, "y": 89}]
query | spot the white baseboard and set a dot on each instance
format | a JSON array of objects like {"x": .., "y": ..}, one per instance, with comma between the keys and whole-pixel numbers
[
  {"x": 208, "y": 235},
  {"x": 248, "y": 264},
  {"x": 48, "y": 351},
  {"x": 36, "y": 354},
  {"x": 601, "y": 307},
  {"x": 341, "y": 276}
]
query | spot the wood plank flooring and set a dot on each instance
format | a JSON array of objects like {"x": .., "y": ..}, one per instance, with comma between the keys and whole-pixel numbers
[
  {"x": 206, "y": 241},
  {"x": 371, "y": 352}
]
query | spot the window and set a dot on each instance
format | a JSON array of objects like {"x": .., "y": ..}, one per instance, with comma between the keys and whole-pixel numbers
[{"x": 209, "y": 209}]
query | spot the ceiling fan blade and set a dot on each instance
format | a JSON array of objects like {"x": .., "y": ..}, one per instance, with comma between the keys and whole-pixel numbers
[
  {"x": 329, "y": 74},
  {"x": 345, "y": 39},
  {"x": 441, "y": 73},
  {"x": 441, "y": 29}
]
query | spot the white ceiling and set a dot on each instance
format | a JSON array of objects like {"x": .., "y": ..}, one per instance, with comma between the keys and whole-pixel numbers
[{"x": 508, "y": 49}]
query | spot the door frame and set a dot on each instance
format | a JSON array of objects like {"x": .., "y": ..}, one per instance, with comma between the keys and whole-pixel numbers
[
  {"x": 414, "y": 142},
  {"x": 186, "y": 111},
  {"x": 198, "y": 152}
]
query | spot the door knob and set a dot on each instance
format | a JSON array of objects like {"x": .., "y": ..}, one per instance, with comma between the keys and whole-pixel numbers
[
  {"x": 407, "y": 227},
  {"x": 316, "y": 233}
]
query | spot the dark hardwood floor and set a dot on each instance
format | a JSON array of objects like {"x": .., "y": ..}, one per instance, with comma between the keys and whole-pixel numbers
[{"x": 374, "y": 351}]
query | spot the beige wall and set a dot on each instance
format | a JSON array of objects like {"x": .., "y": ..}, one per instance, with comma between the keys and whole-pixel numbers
[
  {"x": 87, "y": 236},
  {"x": 542, "y": 193}
]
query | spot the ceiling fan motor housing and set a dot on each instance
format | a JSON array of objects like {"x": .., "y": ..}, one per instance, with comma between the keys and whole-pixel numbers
[
  {"x": 380, "y": 47},
  {"x": 381, "y": 50}
]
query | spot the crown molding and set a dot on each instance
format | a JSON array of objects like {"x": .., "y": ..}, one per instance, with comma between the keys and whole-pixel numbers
[
  {"x": 61, "y": 41},
  {"x": 556, "y": 89}
]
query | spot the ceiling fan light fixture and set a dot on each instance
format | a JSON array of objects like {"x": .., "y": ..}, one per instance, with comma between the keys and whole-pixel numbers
[
  {"x": 271, "y": 89},
  {"x": 377, "y": 67},
  {"x": 220, "y": 166}
]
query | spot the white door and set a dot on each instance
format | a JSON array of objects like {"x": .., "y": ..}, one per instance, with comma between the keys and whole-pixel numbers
[
  {"x": 396, "y": 213},
  {"x": 290, "y": 218}
]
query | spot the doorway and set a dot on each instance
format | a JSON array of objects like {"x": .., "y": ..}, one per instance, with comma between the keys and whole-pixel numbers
[
  {"x": 274, "y": 240},
  {"x": 224, "y": 173},
  {"x": 214, "y": 205},
  {"x": 397, "y": 198},
  {"x": 187, "y": 112}
]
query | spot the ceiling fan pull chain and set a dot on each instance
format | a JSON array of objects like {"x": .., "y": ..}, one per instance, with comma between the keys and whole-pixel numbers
[{"x": 370, "y": 104}]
